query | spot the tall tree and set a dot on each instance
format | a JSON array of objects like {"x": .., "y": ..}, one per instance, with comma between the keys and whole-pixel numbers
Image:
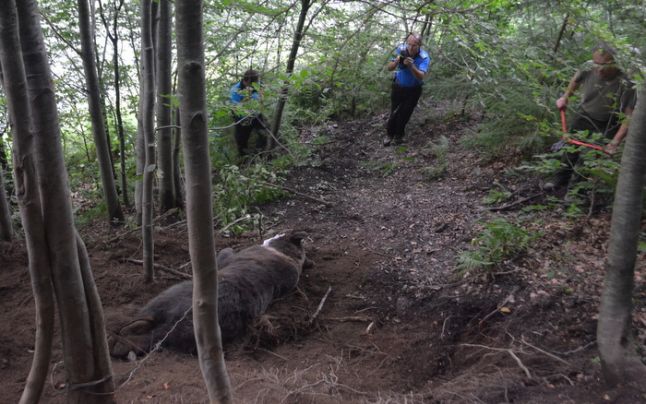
[
  {"x": 113, "y": 36},
  {"x": 177, "y": 178},
  {"x": 98, "y": 124},
  {"x": 6, "y": 230},
  {"x": 164, "y": 108},
  {"x": 296, "y": 43},
  {"x": 614, "y": 331},
  {"x": 147, "y": 120},
  {"x": 28, "y": 195},
  {"x": 199, "y": 212},
  {"x": 85, "y": 355}
]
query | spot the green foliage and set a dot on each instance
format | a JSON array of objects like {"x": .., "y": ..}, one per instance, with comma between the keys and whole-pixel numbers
[
  {"x": 498, "y": 61},
  {"x": 498, "y": 241},
  {"x": 496, "y": 196},
  {"x": 439, "y": 150},
  {"x": 384, "y": 169},
  {"x": 236, "y": 190},
  {"x": 595, "y": 173}
]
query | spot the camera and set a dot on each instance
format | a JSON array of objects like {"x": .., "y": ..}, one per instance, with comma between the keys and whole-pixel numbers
[{"x": 403, "y": 55}]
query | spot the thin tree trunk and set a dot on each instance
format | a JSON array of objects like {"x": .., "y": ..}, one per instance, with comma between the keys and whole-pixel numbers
[
  {"x": 164, "y": 140},
  {"x": 140, "y": 143},
  {"x": 97, "y": 322},
  {"x": 199, "y": 211},
  {"x": 614, "y": 334},
  {"x": 557, "y": 44},
  {"x": 177, "y": 177},
  {"x": 6, "y": 230},
  {"x": 98, "y": 124},
  {"x": 114, "y": 38},
  {"x": 28, "y": 196},
  {"x": 87, "y": 378},
  {"x": 296, "y": 43},
  {"x": 428, "y": 26},
  {"x": 140, "y": 152},
  {"x": 147, "y": 118}
]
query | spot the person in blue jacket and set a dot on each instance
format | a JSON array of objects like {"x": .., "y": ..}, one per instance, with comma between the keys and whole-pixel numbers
[
  {"x": 246, "y": 122},
  {"x": 410, "y": 64}
]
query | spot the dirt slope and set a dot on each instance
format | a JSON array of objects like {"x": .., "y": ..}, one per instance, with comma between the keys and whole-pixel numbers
[{"x": 398, "y": 324}]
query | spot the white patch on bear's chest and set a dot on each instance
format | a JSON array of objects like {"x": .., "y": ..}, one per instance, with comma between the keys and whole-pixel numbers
[{"x": 269, "y": 240}]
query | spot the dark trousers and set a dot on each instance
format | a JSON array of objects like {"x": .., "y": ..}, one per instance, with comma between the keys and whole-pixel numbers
[
  {"x": 403, "y": 101},
  {"x": 243, "y": 131},
  {"x": 581, "y": 123}
]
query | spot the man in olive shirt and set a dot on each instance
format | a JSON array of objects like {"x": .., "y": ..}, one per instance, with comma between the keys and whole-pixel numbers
[{"x": 607, "y": 102}]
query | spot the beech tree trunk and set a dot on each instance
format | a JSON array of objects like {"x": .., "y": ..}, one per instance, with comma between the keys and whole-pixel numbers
[
  {"x": 557, "y": 43},
  {"x": 164, "y": 140},
  {"x": 147, "y": 119},
  {"x": 6, "y": 230},
  {"x": 177, "y": 177},
  {"x": 88, "y": 367},
  {"x": 296, "y": 43},
  {"x": 199, "y": 213},
  {"x": 98, "y": 124},
  {"x": 114, "y": 39},
  {"x": 614, "y": 331},
  {"x": 140, "y": 151},
  {"x": 26, "y": 186}
]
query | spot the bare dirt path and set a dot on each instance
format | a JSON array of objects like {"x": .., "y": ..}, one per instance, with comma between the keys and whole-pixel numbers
[{"x": 398, "y": 325}]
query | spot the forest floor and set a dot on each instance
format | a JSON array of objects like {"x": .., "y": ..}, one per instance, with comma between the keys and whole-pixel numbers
[{"x": 400, "y": 324}]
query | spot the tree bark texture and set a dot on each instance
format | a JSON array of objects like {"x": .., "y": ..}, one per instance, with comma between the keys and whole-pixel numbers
[
  {"x": 26, "y": 186},
  {"x": 164, "y": 140},
  {"x": 199, "y": 211},
  {"x": 114, "y": 38},
  {"x": 147, "y": 118},
  {"x": 296, "y": 43},
  {"x": 140, "y": 151},
  {"x": 6, "y": 230},
  {"x": 85, "y": 377},
  {"x": 614, "y": 334},
  {"x": 177, "y": 177},
  {"x": 557, "y": 43},
  {"x": 115, "y": 214}
]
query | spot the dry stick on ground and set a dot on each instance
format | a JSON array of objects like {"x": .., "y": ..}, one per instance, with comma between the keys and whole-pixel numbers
[
  {"x": 225, "y": 228},
  {"x": 579, "y": 349},
  {"x": 158, "y": 218},
  {"x": 163, "y": 268},
  {"x": 297, "y": 193},
  {"x": 509, "y": 351},
  {"x": 349, "y": 318},
  {"x": 516, "y": 203},
  {"x": 551, "y": 355},
  {"x": 318, "y": 309},
  {"x": 272, "y": 353},
  {"x": 508, "y": 298},
  {"x": 444, "y": 326}
]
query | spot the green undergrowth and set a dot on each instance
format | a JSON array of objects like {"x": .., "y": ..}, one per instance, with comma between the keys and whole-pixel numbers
[
  {"x": 439, "y": 150},
  {"x": 499, "y": 241}
]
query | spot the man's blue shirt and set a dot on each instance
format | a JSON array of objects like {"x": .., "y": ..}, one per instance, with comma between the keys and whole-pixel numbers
[
  {"x": 237, "y": 95},
  {"x": 403, "y": 76}
]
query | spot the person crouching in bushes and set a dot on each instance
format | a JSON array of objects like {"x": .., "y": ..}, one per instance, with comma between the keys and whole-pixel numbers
[{"x": 248, "y": 121}]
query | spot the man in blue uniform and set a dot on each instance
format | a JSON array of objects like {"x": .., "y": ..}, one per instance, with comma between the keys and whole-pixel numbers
[
  {"x": 410, "y": 65},
  {"x": 246, "y": 122}
]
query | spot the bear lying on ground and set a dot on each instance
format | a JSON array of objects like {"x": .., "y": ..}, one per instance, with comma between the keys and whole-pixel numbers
[{"x": 248, "y": 281}]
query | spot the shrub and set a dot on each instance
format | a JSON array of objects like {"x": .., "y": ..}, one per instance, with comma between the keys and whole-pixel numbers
[{"x": 499, "y": 241}]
